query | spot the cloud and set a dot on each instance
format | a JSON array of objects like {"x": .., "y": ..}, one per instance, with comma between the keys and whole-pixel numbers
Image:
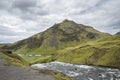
[
  {"x": 24, "y": 4},
  {"x": 28, "y": 10},
  {"x": 10, "y": 39},
  {"x": 22, "y": 18},
  {"x": 5, "y": 4},
  {"x": 6, "y": 31}
]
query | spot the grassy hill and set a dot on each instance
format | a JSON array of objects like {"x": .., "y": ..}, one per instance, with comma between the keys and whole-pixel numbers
[
  {"x": 69, "y": 42},
  {"x": 103, "y": 52},
  {"x": 59, "y": 36}
]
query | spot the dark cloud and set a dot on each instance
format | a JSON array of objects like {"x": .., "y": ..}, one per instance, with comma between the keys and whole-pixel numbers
[
  {"x": 24, "y": 4},
  {"x": 28, "y": 9}
]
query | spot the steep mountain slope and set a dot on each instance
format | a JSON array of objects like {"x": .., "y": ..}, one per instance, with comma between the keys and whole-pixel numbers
[
  {"x": 104, "y": 51},
  {"x": 59, "y": 36}
]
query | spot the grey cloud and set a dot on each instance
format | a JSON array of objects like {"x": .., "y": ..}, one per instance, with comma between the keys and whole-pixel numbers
[
  {"x": 7, "y": 40},
  {"x": 10, "y": 39},
  {"x": 24, "y": 4},
  {"x": 5, "y": 4},
  {"x": 24, "y": 9},
  {"x": 28, "y": 16},
  {"x": 116, "y": 24},
  {"x": 6, "y": 31},
  {"x": 28, "y": 10},
  {"x": 90, "y": 8},
  {"x": 108, "y": 17}
]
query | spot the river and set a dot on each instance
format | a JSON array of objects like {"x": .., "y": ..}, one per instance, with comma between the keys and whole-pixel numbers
[{"x": 81, "y": 72}]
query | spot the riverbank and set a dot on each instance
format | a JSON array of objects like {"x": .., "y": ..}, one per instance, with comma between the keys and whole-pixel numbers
[
  {"x": 22, "y": 73},
  {"x": 12, "y": 68}
]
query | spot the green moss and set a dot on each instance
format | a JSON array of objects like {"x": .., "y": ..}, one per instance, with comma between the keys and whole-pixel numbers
[
  {"x": 60, "y": 76},
  {"x": 104, "y": 51},
  {"x": 12, "y": 59}
]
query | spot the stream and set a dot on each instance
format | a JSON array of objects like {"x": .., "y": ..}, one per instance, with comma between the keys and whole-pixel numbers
[{"x": 81, "y": 72}]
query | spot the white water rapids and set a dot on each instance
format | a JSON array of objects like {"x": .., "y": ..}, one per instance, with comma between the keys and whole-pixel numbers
[{"x": 81, "y": 72}]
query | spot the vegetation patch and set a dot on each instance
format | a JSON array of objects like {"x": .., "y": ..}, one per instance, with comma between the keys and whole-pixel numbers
[
  {"x": 102, "y": 52},
  {"x": 12, "y": 59}
]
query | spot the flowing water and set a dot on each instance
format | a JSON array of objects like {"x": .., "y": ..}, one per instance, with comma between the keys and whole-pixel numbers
[{"x": 81, "y": 72}]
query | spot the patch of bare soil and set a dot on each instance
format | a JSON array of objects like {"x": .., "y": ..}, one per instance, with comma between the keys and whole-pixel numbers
[{"x": 20, "y": 73}]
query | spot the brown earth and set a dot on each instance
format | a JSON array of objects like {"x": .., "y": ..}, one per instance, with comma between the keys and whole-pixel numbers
[{"x": 20, "y": 73}]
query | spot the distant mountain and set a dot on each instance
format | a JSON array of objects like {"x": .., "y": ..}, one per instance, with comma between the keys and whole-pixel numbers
[
  {"x": 118, "y": 33},
  {"x": 59, "y": 36}
]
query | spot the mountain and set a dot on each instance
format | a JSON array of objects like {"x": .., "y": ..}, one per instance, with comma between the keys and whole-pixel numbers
[
  {"x": 70, "y": 42},
  {"x": 59, "y": 36},
  {"x": 118, "y": 33}
]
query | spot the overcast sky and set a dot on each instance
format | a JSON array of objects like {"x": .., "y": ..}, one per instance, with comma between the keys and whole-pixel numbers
[{"x": 20, "y": 19}]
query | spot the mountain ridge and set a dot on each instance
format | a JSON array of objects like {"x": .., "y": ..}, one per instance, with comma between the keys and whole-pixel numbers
[{"x": 59, "y": 33}]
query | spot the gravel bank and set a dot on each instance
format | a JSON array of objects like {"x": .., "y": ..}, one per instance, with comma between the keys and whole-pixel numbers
[{"x": 19, "y": 73}]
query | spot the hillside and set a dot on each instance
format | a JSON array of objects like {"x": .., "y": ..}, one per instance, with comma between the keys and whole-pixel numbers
[
  {"x": 59, "y": 36},
  {"x": 102, "y": 52},
  {"x": 12, "y": 59}
]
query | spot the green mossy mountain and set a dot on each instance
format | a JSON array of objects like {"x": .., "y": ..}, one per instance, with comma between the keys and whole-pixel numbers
[
  {"x": 69, "y": 42},
  {"x": 59, "y": 36}
]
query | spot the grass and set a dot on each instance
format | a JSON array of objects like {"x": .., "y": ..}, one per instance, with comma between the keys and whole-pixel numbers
[
  {"x": 12, "y": 59},
  {"x": 60, "y": 76},
  {"x": 36, "y": 59},
  {"x": 57, "y": 75},
  {"x": 104, "y": 52}
]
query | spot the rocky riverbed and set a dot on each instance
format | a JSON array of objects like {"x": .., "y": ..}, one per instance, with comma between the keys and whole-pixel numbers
[{"x": 81, "y": 72}]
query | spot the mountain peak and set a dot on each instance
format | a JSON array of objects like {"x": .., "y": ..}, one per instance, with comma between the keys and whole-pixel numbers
[
  {"x": 66, "y": 25},
  {"x": 67, "y": 21}
]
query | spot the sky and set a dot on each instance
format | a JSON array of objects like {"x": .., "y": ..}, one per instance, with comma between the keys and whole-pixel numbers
[{"x": 20, "y": 19}]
